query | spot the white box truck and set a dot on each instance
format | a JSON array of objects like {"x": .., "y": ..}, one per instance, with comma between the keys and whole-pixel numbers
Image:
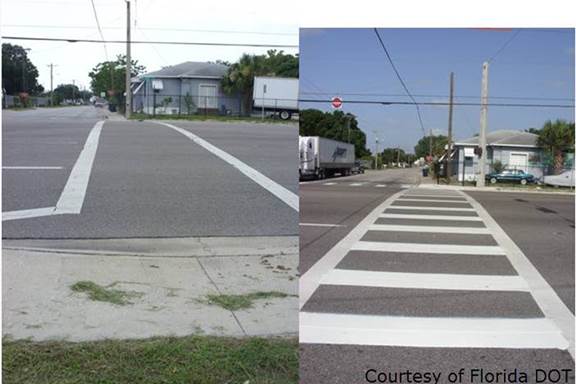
[
  {"x": 275, "y": 95},
  {"x": 321, "y": 157}
]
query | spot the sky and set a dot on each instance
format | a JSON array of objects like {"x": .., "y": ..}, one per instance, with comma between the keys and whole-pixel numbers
[
  {"x": 152, "y": 20},
  {"x": 350, "y": 63}
]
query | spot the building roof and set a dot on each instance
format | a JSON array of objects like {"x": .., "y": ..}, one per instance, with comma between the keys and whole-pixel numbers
[
  {"x": 191, "y": 69},
  {"x": 504, "y": 138}
]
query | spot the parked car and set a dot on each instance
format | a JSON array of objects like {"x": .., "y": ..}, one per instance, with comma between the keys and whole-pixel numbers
[
  {"x": 511, "y": 176},
  {"x": 565, "y": 179},
  {"x": 358, "y": 168}
]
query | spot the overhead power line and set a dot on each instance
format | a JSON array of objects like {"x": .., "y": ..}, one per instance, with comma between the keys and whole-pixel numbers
[
  {"x": 401, "y": 81},
  {"x": 369, "y": 94},
  {"x": 236, "y": 32},
  {"x": 504, "y": 45},
  {"x": 392, "y": 102},
  {"x": 99, "y": 29},
  {"x": 152, "y": 42}
]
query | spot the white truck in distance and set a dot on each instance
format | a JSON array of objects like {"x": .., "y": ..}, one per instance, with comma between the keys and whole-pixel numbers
[
  {"x": 321, "y": 157},
  {"x": 275, "y": 95}
]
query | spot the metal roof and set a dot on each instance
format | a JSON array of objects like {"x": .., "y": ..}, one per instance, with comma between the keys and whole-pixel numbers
[
  {"x": 191, "y": 69},
  {"x": 504, "y": 138}
]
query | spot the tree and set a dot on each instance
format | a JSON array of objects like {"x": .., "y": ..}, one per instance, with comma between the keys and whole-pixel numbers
[
  {"x": 392, "y": 155},
  {"x": 333, "y": 126},
  {"x": 18, "y": 72},
  {"x": 66, "y": 92},
  {"x": 110, "y": 76},
  {"x": 556, "y": 138},
  {"x": 439, "y": 142},
  {"x": 240, "y": 76}
]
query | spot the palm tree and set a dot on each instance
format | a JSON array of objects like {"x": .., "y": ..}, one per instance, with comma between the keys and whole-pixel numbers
[
  {"x": 556, "y": 138},
  {"x": 240, "y": 78}
]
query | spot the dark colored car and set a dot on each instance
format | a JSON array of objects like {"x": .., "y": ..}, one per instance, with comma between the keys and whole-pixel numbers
[{"x": 511, "y": 176}]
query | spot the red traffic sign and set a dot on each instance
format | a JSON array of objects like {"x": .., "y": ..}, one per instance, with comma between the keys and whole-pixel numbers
[{"x": 337, "y": 102}]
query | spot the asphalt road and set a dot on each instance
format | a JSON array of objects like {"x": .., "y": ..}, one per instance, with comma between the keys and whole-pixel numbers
[
  {"x": 146, "y": 179},
  {"x": 433, "y": 285}
]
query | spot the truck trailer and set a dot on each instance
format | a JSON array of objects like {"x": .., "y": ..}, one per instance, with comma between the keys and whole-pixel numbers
[
  {"x": 321, "y": 157},
  {"x": 276, "y": 96}
]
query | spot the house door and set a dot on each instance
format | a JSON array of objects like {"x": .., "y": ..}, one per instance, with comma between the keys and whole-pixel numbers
[
  {"x": 518, "y": 161},
  {"x": 208, "y": 96}
]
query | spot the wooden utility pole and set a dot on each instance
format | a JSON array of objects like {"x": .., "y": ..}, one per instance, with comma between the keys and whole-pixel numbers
[
  {"x": 51, "y": 84},
  {"x": 449, "y": 160},
  {"x": 128, "y": 63},
  {"x": 480, "y": 182}
]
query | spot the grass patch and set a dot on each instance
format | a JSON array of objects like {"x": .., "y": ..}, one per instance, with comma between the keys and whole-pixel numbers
[
  {"x": 235, "y": 302},
  {"x": 182, "y": 360},
  {"x": 140, "y": 116},
  {"x": 99, "y": 293}
]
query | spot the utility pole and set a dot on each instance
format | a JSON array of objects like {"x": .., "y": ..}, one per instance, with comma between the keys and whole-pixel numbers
[
  {"x": 480, "y": 182},
  {"x": 398, "y": 158},
  {"x": 128, "y": 62},
  {"x": 449, "y": 160},
  {"x": 51, "y": 84}
]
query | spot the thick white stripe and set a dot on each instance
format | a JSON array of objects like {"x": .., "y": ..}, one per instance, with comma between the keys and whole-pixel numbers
[
  {"x": 548, "y": 301},
  {"x": 424, "y": 280},
  {"x": 31, "y": 167},
  {"x": 380, "y": 246},
  {"x": 325, "y": 328},
  {"x": 435, "y": 201},
  {"x": 432, "y": 197},
  {"x": 428, "y": 217},
  {"x": 356, "y": 184},
  {"x": 72, "y": 197},
  {"x": 406, "y": 185},
  {"x": 320, "y": 225},
  {"x": 380, "y": 185},
  {"x": 427, "y": 229},
  {"x": 329, "y": 183},
  {"x": 27, "y": 213},
  {"x": 310, "y": 280},
  {"x": 288, "y": 197},
  {"x": 431, "y": 208}
]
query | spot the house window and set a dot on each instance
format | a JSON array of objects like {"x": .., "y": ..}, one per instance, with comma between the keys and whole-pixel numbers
[{"x": 208, "y": 96}]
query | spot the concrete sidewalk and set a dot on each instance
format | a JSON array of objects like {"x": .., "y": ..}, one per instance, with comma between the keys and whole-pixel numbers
[{"x": 168, "y": 283}]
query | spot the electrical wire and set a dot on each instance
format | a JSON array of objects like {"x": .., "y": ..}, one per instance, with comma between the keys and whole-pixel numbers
[
  {"x": 151, "y": 42},
  {"x": 401, "y": 81},
  {"x": 99, "y": 29},
  {"x": 504, "y": 45},
  {"x": 392, "y": 102},
  {"x": 436, "y": 95}
]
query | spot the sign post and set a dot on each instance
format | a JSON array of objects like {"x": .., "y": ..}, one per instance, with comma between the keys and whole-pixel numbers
[{"x": 336, "y": 102}]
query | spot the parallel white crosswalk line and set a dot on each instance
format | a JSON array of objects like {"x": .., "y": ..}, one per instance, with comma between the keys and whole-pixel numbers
[
  {"x": 461, "y": 201},
  {"x": 329, "y": 183},
  {"x": 431, "y": 208},
  {"x": 356, "y": 184},
  {"x": 380, "y": 246},
  {"x": 428, "y": 217},
  {"x": 380, "y": 185},
  {"x": 28, "y": 213},
  {"x": 424, "y": 280},
  {"x": 31, "y": 168},
  {"x": 320, "y": 225},
  {"x": 435, "y": 198},
  {"x": 326, "y": 328},
  {"x": 426, "y": 229}
]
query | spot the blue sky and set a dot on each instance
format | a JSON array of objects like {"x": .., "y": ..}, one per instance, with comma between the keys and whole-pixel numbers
[{"x": 344, "y": 62}]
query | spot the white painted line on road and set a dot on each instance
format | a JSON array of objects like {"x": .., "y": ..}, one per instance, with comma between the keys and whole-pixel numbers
[
  {"x": 407, "y": 185},
  {"x": 288, "y": 197},
  {"x": 325, "y": 328},
  {"x": 31, "y": 167},
  {"x": 310, "y": 280},
  {"x": 380, "y": 246},
  {"x": 430, "y": 197},
  {"x": 428, "y": 217},
  {"x": 356, "y": 184},
  {"x": 28, "y": 213},
  {"x": 431, "y": 208},
  {"x": 329, "y": 183},
  {"x": 544, "y": 295},
  {"x": 463, "y": 202},
  {"x": 380, "y": 185},
  {"x": 320, "y": 225},
  {"x": 428, "y": 229},
  {"x": 424, "y": 281},
  {"x": 72, "y": 197}
]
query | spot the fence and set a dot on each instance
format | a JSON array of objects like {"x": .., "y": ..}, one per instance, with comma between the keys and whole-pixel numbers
[
  {"x": 10, "y": 101},
  {"x": 162, "y": 104}
]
